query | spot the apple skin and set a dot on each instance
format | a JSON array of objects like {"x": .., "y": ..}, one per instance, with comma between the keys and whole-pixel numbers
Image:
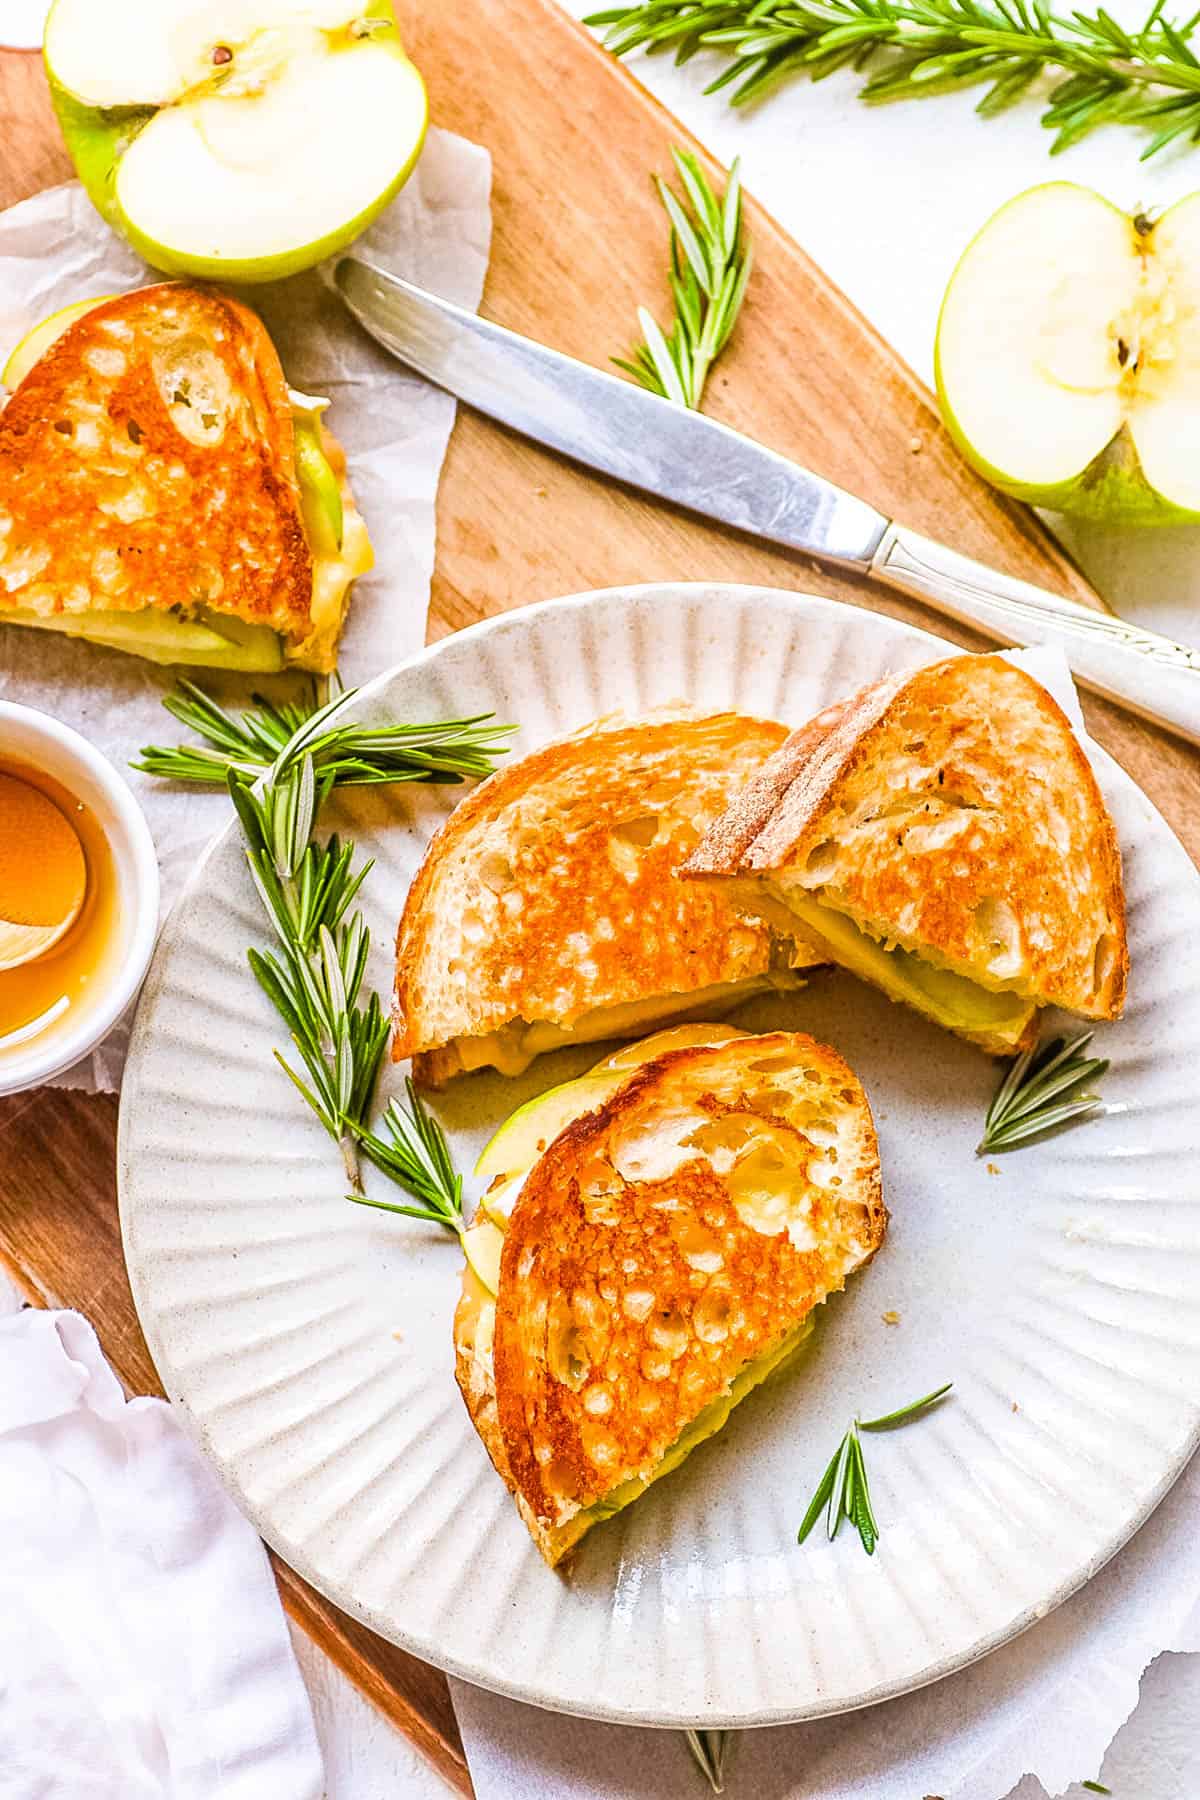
[
  {"x": 96, "y": 139},
  {"x": 1111, "y": 490}
]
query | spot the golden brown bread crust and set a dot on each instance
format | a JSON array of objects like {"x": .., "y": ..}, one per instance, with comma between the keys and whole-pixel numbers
[
  {"x": 551, "y": 891},
  {"x": 633, "y": 1289},
  {"x": 952, "y": 811},
  {"x": 108, "y": 503},
  {"x": 729, "y": 847}
]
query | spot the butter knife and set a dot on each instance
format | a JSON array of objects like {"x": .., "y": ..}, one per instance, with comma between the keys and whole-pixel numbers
[{"x": 622, "y": 430}]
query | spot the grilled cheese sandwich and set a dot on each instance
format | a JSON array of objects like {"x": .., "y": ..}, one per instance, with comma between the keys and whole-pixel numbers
[
  {"x": 164, "y": 493},
  {"x": 547, "y": 911},
  {"x": 942, "y": 835},
  {"x": 652, "y": 1257}
]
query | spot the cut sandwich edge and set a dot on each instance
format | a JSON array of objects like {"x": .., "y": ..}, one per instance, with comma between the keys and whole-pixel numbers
[
  {"x": 475, "y": 1376},
  {"x": 512, "y": 1048}
]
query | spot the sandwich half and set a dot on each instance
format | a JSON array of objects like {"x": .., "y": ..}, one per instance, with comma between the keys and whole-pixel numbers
[
  {"x": 661, "y": 1258},
  {"x": 942, "y": 835},
  {"x": 547, "y": 911},
  {"x": 163, "y": 491}
]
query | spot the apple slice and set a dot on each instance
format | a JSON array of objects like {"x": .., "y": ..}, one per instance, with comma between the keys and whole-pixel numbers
[
  {"x": 241, "y": 140},
  {"x": 1068, "y": 356},
  {"x": 483, "y": 1246},
  {"x": 516, "y": 1146},
  {"x": 34, "y": 345}
]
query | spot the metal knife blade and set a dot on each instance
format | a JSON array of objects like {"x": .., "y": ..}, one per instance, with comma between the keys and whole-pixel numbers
[
  {"x": 609, "y": 424},
  {"x": 621, "y": 430}
]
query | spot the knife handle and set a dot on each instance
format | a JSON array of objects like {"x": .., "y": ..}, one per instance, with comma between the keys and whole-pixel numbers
[{"x": 1149, "y": 674}]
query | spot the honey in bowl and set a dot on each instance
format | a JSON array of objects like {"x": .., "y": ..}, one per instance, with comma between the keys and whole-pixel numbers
[{"x": 50, "y": 845}]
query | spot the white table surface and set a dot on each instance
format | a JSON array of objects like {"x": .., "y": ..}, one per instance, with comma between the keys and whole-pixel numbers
[{"x": 885, "y": 199}]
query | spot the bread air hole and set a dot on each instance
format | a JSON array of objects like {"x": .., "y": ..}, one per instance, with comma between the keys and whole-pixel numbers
[
  {"x": 1104, "y": 963},
  {"x": 495, "y": 871},
  {"x": 196, "y": 390},
  {"x": 668, "y": 1332},
  {"x": 627, "y": 840},
  {"x": 821, "y": 861},
  {"x": 999, "y": 935},
  {"x": 710, "y": 1319},
  {"x": 567, "y": 1357},
  {"x": 640, "y": 832}
]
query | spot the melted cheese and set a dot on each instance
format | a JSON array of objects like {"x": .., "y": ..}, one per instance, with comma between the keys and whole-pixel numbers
[
  {"x": 515, "y": 1046},
  {"x": 944, "y": 996},
  {"x": 333, "y": 573}
]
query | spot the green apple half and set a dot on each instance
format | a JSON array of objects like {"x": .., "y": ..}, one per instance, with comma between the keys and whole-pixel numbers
[
  {"x": 240, "y": 140},
  {"x": 1068, "y": 356}
]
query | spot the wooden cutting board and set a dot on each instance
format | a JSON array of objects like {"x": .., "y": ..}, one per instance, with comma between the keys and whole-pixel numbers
[{"x": 578, "y": 243}]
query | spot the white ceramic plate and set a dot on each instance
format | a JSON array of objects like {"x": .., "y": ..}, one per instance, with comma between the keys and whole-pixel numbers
[{"x": 308, "y": 1340}]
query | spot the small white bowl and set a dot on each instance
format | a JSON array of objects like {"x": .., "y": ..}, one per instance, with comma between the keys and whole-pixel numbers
[{"x": 34, "y": 738}]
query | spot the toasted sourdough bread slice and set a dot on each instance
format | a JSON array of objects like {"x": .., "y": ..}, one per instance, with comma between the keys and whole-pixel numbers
[
  {"x": 149, "y": 492},
  {"x": 662, "y": 1259},
  {"x": 547, "y": 911},
  {"x": 943, "y": 834}
]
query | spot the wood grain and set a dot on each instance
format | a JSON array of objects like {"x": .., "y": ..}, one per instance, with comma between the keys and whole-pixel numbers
[{"x": 578, "y": 243}]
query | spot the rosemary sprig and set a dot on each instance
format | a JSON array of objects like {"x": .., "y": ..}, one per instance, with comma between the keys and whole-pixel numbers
[
  {"x": 1147, "y": 77},
  {"x": 1044, "y": 1089},
  {"x": 315, "y": 978},
  {"x": 711, "y": 261},
  {"x": 843, "y": 1491},
  {"x": 710, "y": 1749},
  {"x": 416, "y": 1156},
  {"x": 449, "y": 750}
]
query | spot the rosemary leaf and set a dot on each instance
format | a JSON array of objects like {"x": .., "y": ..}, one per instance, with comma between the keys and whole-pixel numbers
[
  {"x": 710, "y": 1749},
  {"x": 843, "y": 1491},
  {"x": 836, "y": 1511},
  {"x": 416, "y": 1156},
  {"x": 1147, "y": 77},
  {"x": 903, "y": 1414},
  {"x": 863, "y": 1515},
  {"x": 710, "y": 266},
  {"x": 349, "y": 755},
  {"x": 1045, "y": 1088},
  {"x": 816, "y": 1505}
]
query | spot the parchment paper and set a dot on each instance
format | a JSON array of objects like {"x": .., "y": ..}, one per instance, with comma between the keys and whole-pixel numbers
[{"x": 55, "y": 249}]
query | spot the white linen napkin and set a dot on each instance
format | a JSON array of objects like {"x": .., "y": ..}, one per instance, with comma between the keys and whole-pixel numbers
[{"x": 144, "y": 1654}]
